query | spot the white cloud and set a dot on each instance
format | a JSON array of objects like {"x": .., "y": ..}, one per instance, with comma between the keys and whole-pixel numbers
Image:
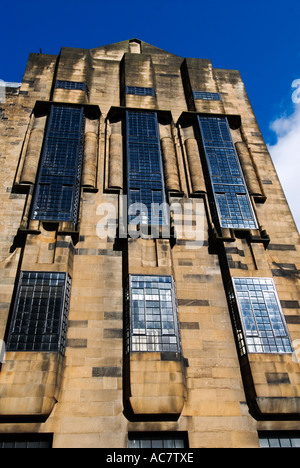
[{"x": 286, "y": 157}]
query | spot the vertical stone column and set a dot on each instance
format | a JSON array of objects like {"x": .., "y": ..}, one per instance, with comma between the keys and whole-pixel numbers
[
  {"x": 196, "y": 173},
  {"x": 89, "y": 170},
  {"x": 170, "y": 164},
  {"x": 33, "y": 151},
  {"x": 248, "y": 169},
  {"x": 115, "y": 170}
]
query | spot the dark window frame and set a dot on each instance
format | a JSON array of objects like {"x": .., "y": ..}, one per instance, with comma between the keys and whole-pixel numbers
[
  {"x": 144, "y": 164},
  {"x": 72, "y": 85},
  {"x": 254, "y": 324},
  {"x": 60, "y": 166},
  {"x": 36, "y": 324},
  {"x": 140, "y": 90},
  {"x": 26, "y": 440},
  {"x": 156, "y": 440},
  {"x": 279, "y": 439},
  {"x": 206, "y": 96},
  {"x": 155, "y": 311},
  {"x": 225, "y": 175}
]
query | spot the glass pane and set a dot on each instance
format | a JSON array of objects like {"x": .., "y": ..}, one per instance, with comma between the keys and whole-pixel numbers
[
  {"x": 157, "y": 444},
  {"x": 169, "y": 443},
  {"x": 285, "y": 442},
  {"x": 179, "y": 443},
  {"x": 274, "y": 442},
  {"x": 7, "y": 445},
  {"x": 133, "y": 443},
  {"x": 145, "y": 443},
  {"x": 295, "y": 441},
  {"x": 264, "y": 442}
]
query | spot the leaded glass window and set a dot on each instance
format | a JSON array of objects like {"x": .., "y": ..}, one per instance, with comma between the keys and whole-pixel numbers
[
  {"x": 144, "y": 168},
  {"x": 62, "y": 84},
  {"x": 153, "y": 314},
  {"x": 262, "y": 321},
  {"x": 40, "y": 316},
  {"x": 139, "y": 91},
  {"x": 203, "y": 95},
  {"x": 57, "y": 190},
  {"x": 233, "y": 204}
]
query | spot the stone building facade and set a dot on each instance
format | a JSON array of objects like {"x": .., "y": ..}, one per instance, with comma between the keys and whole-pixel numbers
[{"x": 127, "y": 327}]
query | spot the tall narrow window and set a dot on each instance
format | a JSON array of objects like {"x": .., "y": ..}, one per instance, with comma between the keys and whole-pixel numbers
[
  {"x": 232, "y": 200},
  {"x": 262, "y": 321},
  {"x": 39, "y": 321},
  {"x": 144, "y": 167},
  {"x": 153, "y": 314},
  {"x": 58, "y": 185}
]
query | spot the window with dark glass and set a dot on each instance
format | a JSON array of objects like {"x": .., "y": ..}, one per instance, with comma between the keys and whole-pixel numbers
[
  {"x": 279, "y": 439},
  {"x": 166, "y": 440},
  {"x": 26, "y": 441},
  {"x": 262, "y": 326},
  {"x": 139, "y": 91},
  {"x": 206, "y": 96},
  {"x": 145, "y": 184},
  {"x": 232, "y": 201},
  {"x": 62, "y": 84},
  {"x": 57, "y": 190},
  {"x": 39, "y": 321},
  {"x": 153, "y": 314}
]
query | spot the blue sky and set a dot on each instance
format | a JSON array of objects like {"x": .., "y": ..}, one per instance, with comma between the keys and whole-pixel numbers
[{"x": 260, "y": 38}]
